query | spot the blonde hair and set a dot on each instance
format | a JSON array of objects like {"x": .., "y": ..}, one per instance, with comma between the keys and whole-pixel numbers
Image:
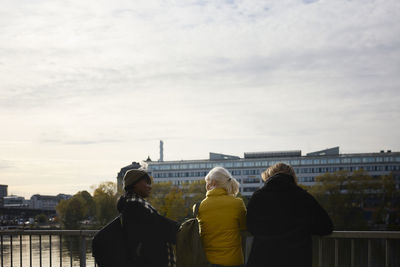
[
  {"x": 223, "y": 179},
  {"x": 279, "y": 168}
]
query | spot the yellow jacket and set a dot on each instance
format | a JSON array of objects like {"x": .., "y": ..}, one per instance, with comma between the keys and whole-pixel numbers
[{"x": 221, "y": 218}]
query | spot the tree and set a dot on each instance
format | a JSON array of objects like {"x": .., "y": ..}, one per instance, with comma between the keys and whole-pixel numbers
[
  {"x": 342, "y": 196},
  {"x": 71, "y": 212},
  {"x": 105, "y": 197},
  {"x": 176, "y": 202},
  {"x": 41, "y": 218},
  {"x": 350, "y": 198}
]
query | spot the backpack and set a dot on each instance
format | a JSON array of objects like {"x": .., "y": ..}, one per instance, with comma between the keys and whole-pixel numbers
[
  {"x": 189, "y": 246},
  {"x": 108, "y": 246}
]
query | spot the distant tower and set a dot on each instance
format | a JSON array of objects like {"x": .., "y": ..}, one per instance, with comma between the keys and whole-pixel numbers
[{"x": 161, "y": 151}]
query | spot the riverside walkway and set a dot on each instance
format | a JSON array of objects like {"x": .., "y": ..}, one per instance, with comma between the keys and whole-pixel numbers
[{"x": 73, "y": 248}]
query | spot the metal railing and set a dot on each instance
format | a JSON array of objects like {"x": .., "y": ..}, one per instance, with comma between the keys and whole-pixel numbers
[
  {"x": 380, "y": 246},
  {"x": 10, "y": 235},
  {"x": 341, "y": 248}
]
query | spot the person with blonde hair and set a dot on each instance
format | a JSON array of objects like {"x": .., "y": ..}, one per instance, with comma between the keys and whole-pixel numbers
[
  {"x": 283, "y": 217},
  {"x": 221, "y": 217}
]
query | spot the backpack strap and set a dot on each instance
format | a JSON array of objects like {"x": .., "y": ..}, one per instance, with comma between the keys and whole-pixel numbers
[{"x": 196, "y": 209}]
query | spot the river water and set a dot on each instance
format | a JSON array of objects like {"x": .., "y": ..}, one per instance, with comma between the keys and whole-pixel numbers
[{"x": 69, "y": 251}]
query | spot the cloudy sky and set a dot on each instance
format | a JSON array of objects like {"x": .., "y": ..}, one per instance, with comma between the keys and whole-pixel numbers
[{"x": 87, "y": 87}]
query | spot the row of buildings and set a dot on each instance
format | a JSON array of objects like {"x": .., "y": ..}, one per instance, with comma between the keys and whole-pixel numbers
[
  {"x": 40, "y": 202},
  {"x": 247, "y": 169}
]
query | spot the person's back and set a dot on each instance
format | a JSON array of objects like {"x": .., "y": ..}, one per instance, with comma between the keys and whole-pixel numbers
[
  {"x": 221, "y": 218},
  {"x": 283, "y": 217}
]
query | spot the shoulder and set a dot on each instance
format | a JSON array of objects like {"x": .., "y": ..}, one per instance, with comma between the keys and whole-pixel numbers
[{"x": 134, "y": 206}]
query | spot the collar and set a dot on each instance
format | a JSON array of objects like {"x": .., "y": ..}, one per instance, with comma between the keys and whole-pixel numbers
[
  {"x": 216, "y": 192},
  {"x": 280, "y": 178}
]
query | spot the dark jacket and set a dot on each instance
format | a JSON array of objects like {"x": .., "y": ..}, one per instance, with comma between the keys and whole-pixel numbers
[
  {"x": 283, "y": 217},
  {"x": 147, "y": 234}
]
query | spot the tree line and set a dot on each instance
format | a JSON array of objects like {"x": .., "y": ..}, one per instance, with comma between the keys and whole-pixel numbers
[{"x": 355, "y": 201}]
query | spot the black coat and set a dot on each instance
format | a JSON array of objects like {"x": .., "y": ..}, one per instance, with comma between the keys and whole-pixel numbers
[
  {"x": 146, "y": 234},
  {"x": 283, "y": 217}
]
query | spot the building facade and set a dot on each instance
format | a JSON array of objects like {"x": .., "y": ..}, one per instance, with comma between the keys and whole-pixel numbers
[
  {"x": 247, "y": 170},
  {"x": 15, "y": 202},
  {"x": 3, "y": 193},
  {"x": 43, "y": 202}
]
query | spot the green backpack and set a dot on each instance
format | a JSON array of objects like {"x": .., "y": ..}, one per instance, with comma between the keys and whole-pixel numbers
[{"x": 189, "y": 247}]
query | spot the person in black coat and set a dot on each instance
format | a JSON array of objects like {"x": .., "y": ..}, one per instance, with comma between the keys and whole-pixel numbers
[
  {"x": 282, "y": 217},
  {"x": 148, "y": 235}
]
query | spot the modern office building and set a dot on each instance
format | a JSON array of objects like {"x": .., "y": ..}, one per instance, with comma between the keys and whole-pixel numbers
[
  {"x": 3, "y": 190},
  {"x": 15, "y": 202},
  {"x": 247, "y": 170},
  {"x": 43, "y": 202},
  {"x": 3, "y": 193}
]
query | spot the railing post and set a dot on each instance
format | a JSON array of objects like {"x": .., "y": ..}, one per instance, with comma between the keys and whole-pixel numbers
[
  {"x": 369, "y": 252},
  {"x": 82, "y": 257},
  {"x": 336, "y": 252},
  {"x": 20, "y": 250},
  {"x": 50, "y": 249},
  {"x": 352, "y": 259},
  {"x": 40, "y": 250},
  {"x": 2, "y": 251},
  {"x": 30, "y": 250},
  {"x": 386, "y": 253},
  {"x": 319, "y": 252},
  {"x": 60, "y": 250},
  {"x": 11, "y": 251}
]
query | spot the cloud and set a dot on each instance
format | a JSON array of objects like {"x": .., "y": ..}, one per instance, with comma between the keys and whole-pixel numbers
[{"x": 99, "y": 79}]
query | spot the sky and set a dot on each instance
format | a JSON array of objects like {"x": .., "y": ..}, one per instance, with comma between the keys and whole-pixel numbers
[{"x": 87, "y": 87}]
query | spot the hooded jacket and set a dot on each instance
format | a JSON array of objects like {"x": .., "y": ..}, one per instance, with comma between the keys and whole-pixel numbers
[{"x": 283, "y": 217}]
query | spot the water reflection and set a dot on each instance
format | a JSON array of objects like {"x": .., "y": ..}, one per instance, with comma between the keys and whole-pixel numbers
[{"x": 43, "y": 251}]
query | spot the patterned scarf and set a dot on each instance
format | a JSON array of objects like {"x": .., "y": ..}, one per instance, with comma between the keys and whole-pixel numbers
[{"x": 147, "y": 205}]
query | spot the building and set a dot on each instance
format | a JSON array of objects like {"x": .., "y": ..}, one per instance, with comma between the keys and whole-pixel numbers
[
  {"x": 247, "y": 170},
  {"x": 3, "y": 190},
  {"x": 46, "y": 202},
  {"x": 15, "y": 202},
  {"x": 3, "y": 193}
]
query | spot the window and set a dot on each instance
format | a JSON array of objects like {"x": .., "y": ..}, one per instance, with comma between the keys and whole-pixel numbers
[
  {"x": 236, "y": 172},
  {"x": 387, "y": 159},
  {"x": 165, "y": 167},
  {"x": 248, "y": 164},
  {"x": 346, "y": 160},
  {"x": 316, "y": 161},
  {"x": 228, "y": 164},
  {"x": 184, "y": 166},
  {"x": 355, "y": 160},
  {"x": 295, "y": 162},
  {"x": 251, "y": 180},
  {"x": 237, "y": 164},
  {"x": 250, "y": 189}
]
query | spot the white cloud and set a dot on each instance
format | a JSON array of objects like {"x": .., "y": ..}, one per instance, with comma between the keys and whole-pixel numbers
[{"x": 105, "y": 80}]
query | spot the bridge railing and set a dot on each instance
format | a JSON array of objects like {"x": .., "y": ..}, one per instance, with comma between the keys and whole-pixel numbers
[{"x": 341, "y": 248}]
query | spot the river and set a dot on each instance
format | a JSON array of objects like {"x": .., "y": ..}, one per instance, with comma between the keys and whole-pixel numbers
[{"x": 69, "y": 251}]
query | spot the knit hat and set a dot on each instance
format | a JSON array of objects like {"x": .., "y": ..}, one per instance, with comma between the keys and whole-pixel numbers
[{"x": 133, "y": 176}]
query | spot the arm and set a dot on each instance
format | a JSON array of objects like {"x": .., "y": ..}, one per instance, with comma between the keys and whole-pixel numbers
[
  {"x": 252, "y": 214},
  {"x": 142, "y": 224},
  {"x": 242, "y": 215},
  {"x": 321, "y": 223}
]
